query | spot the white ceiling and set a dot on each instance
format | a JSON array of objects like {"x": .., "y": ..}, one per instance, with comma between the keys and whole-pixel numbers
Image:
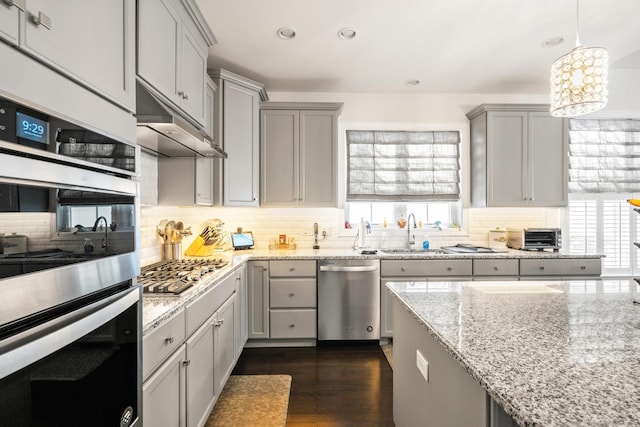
[{"x": 451, "y": 46}]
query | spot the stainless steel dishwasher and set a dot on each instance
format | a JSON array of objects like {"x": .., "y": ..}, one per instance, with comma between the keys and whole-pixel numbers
[{"x": 348, "y": 299}]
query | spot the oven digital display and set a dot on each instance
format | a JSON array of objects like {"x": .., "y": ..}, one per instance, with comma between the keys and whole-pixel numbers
[{"x": 28, "y": 127}]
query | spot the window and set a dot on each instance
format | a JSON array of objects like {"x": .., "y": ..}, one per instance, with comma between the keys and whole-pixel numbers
[
  {"x": 604, "y": 161},
  {"x": 396, "y": 173}
]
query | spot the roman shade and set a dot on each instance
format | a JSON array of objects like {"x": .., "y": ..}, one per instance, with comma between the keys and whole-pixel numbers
[
  {"x": 403, "y": 165},
  {"x": 604, "y": 156}
]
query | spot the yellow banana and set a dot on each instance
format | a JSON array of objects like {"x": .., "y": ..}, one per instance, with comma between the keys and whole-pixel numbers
[{"x": 634, "y": 202}]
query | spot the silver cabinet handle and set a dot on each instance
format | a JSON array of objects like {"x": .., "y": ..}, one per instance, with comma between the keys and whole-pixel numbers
[
  {"x": 169, "y": 340},
  {"x": 218, "y": 323},
  {"x": 41, "y": 19},
  {"x": 496, "y": 268},
  {"x": 186, "y": 362},
  {"x": 583, "y": 267},
  {"x": 20, "y": 4},
  {"x": 541, "y": 267},
  {"x": 349, "y": 268}
]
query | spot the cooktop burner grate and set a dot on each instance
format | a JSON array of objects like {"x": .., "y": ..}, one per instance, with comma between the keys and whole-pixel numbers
[{"x": 174, "y": 277}]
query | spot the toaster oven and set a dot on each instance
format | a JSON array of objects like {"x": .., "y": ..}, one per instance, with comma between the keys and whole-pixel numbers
[{"x": 534, "y": 238}]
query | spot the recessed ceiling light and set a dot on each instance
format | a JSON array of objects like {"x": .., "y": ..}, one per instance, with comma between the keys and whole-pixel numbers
[
  {"x": 553, "y": 41},
  {"x": 412, "y": 82},
  {"x": 347, "y": 34},
  {"x": 286, "y": 33}
]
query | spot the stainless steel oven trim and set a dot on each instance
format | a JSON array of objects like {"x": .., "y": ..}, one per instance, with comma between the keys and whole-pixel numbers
[
  {"x": 37, "y": 172},
  {"x": 23, "y": 349},
  {"x": 33, "y": 292}
]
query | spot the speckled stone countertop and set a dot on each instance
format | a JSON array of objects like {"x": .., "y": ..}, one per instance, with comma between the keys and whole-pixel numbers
[
  {"x": 550, "y": 353},
  {"x": 266, "y": 254},
  {"x": 157, "y": 309}
]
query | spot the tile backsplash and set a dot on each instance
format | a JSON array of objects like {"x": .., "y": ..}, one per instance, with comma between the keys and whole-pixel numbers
[{"x": 268, "y": 223}]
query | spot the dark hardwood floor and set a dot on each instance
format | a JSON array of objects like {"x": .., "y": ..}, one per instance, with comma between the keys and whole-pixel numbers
[{"x": 332, "y": 385}]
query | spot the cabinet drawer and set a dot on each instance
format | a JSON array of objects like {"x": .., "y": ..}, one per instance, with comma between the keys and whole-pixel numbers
[
  {"x": 160, "y": 343},
  {"x": 426, "y": 268},
  {"x": 292, "y": 268},
  {"x": 293, "y": 323},
  {"x": 287, "y": 293},
  {"x": 561, "y": 267},
  {"x": 202, "y": 308},
  {"x": 495, "y": 267}
]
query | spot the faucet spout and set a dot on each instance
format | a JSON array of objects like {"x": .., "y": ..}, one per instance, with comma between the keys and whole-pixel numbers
[
  {"x": 411, "y": 239},
  {"x": 105, "y": 241}
]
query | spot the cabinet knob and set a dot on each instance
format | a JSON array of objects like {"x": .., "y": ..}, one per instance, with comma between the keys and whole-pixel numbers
[
  {"x": 41, "y": 20},
  {"x": 218, "y": 323},
  {"x": 292, "y": 295},
  {"x": 292, "y": 269},
  {"x": 496, "y": 268},
  {"x": 186, "y": 362},
  {"x": 292, "y": 325},
  {"x": 403, "y": 269},
  {"x": 181, "y": 94},
  {"x": 169, "y": 340},
  {"x": 449, "y": 268},
  {"x": 583, "y": 267},
  {"x": 541, "y": 267}
]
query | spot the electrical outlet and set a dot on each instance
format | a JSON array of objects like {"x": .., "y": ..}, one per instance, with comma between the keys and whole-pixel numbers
[{"x": 423, "y": 365}]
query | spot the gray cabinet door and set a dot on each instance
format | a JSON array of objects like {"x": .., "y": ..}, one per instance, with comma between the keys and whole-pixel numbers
[
  {"x": 9, "y": 23},
  {"x": 506, "y": 163},
  {"x": 199, "y": 382},
  {"x": 279, "y": 145},
  {"x": 163, "y": 394},
  {"x": 241, "y": 143},
  {"x": 258, "y": 293},
  {"x": 224, "y": 344},
  {"x": 93, "y": 42},
  {"x": 192, "y": 69},
  {"x": 204, "y": 181},
  {"x": 158, "y": 32},
  {"x": 547, "y": 160},
  {"x": 318, "y": 157}
]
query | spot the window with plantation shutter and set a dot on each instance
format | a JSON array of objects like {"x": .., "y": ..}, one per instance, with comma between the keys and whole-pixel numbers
[
  {"x": 403, "y": 165},
  {"x": 604, "y": 171}
]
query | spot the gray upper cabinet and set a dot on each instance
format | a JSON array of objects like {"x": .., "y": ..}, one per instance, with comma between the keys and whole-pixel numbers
[
  {"x": 10, "y": 20},
  {"x": 298, "y": 146},
  {"x": 236, "y": 128},
  {"x": 518, "y": 156},
  {"x": 93, "y": 43},
  {"x": 172, "y": 53}
]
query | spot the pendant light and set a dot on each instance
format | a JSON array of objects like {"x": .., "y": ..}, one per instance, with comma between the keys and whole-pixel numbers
[{"x": 579, "y": 79}]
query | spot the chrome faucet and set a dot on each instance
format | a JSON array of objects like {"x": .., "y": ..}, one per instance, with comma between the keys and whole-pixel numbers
[
  {"x": 411, "y": 239},
  {"x": 105, "y": 242}
]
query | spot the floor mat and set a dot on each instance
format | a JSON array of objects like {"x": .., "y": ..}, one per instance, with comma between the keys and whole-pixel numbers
[{"x": 252, "y": 400}]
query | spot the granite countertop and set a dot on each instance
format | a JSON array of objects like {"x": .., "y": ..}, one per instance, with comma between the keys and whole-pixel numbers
[
  {"x": 301, "y": 254},
  {"x": 550, "y": 353},
  {"x": 157, "y": 309}
]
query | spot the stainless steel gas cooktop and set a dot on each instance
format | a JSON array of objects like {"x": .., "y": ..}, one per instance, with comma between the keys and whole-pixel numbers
[{"x": 174, "y": 277}]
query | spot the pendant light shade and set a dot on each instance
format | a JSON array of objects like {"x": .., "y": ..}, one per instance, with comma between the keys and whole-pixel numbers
[{"x": 579, "y": 81}]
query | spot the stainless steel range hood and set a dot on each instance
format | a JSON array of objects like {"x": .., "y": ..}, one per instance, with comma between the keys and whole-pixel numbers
[{"x": 165, "y": 132}]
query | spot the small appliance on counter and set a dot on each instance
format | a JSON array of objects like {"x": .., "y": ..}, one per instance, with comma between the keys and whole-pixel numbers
[
  {"x": 530, "y": 239},
  {"x": 12, "y": 244},
  {"x": 498, "y": 238},
  {"x": 242, "y": 240}
]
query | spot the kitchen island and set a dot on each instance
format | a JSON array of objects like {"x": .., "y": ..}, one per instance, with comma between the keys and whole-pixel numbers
[{"x": 543, "y": 353}]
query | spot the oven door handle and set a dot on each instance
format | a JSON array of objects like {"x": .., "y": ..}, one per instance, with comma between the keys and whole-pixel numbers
[{"x": 23, "y": 349}]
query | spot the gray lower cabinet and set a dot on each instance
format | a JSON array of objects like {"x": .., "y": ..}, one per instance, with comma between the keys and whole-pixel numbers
[
  {"x": 45, "y": 30},
  {"x": 415, "y": 271},
  {"x": 496, "y": 269},
  {"x": 292, "y": 299},
  {"x": 569, "y": 268},
  {"x": 163, "y": 394},
  {"x": 242, "y": 301},
  {"x": 298, "y": 154},
  {"x": 258, "y": 299},
  {"x": 188, "y": 360},
  {"x": 518, "y": 156}
]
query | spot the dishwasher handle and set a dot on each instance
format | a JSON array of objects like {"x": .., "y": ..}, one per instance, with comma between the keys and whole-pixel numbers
[{"x": 344, "y": 268}]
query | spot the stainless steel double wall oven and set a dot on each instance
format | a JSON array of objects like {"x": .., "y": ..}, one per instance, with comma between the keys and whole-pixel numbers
[{"x": 70, "y": 313}]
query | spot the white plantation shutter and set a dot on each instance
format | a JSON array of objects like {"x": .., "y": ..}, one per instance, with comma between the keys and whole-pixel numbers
[
  {"x": 604, "y": 171},
  {"x": 403, "y": 165}
]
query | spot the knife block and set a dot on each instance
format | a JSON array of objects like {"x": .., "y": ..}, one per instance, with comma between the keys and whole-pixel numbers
[{"x": 199, "y": 248}]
